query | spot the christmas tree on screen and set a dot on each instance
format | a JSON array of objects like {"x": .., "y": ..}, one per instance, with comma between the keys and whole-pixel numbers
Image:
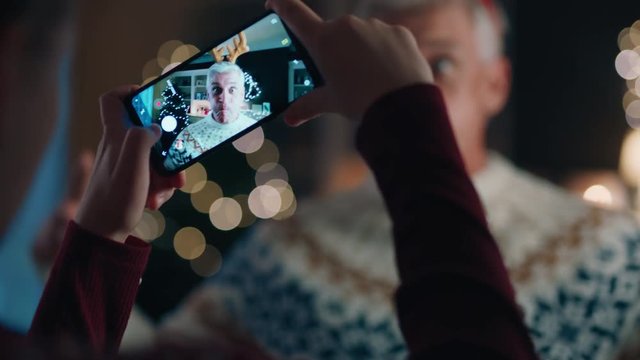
[{"x": 173, "y": 115}]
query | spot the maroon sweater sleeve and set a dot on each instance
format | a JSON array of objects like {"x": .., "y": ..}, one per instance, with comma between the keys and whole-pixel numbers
[
  {"x": 90, "y": 292},
  {"x": 455, "y": 298}
]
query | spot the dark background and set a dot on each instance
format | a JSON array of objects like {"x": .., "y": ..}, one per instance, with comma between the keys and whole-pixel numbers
[{"x": 568, "y": 96}]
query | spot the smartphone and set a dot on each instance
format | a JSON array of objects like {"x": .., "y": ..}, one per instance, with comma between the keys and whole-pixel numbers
[{"x": 223, "y": 92}]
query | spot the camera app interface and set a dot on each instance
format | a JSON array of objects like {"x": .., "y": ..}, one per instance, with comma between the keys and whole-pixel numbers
[{"x": 224, "y": 91}]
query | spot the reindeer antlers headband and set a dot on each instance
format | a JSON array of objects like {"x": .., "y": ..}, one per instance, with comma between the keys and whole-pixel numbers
[{"x": 239, "y": 47}]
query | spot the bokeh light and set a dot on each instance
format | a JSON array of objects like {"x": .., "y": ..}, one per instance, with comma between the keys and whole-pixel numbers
[
  {"x": 148, "y": 80},
  {"x": 189, "y": 243},
  {"x": 632, "y": 114},
  {"x": 165, "y": 241},
  {"x": 634, "y": 34},
  {"x": 151, "y": 69},
  {"x": 598, "y": 194},
  {"x": 209, "y": 263},
  {"x": 628, "y": 98},
  {"x": 633, "y": 109},
  {"x": 270, "y": 171},
  {"x": 203, "y": 199},
  {"x": 624, "y": 40},
  {"x": 265, "y": 202},
  {"x": 630, "y": 158},
  {"x": 182, "y": 53},
  {"x": 250, "y": 142},
  {"x": 268, "y": 153},
  {"x": 628, "y": 64},
  {"x": 289, "y": 212},
  {"x": 151, "y": 226},
  {"x": 287, "y": 196},
  {"x": 248, "y": 218},
  {"x": 225, "y": 214},
  {"x": 581, "y": 182},
  {"x": 166, "y": 50},
  {"x": 637, "y": 86},
  {"x": 631, "y": 85},
  {"x": 169, "y": 67},
  {"x": 196, "y": 178}
]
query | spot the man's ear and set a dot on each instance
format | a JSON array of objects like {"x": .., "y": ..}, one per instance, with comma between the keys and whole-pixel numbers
[{"x": 497, "y": 85}]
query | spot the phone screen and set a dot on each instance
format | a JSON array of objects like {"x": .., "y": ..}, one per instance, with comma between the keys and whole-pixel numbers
[{"x": 223, "y": 92}]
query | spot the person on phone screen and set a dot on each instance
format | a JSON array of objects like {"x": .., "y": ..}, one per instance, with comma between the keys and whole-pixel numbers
[{"x": 225, "y": 91}]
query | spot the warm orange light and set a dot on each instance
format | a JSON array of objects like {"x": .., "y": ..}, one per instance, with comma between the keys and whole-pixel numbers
[{"x": 598, "y": 194}]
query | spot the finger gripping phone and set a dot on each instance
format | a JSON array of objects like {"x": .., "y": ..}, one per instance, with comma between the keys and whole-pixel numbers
[{"x": 223, "y": 92}]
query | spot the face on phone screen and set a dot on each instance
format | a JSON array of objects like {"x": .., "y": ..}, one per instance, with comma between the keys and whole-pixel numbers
[{"x": 224, "y": 92}]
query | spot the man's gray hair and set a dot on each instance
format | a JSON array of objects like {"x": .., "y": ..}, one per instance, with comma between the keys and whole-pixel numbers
[
  {"x": 223, "y": 68},
  {"x": 490, "y": 28}
]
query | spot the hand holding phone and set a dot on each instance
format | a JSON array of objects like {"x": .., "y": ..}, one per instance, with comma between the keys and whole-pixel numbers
[
  {"x": 359, "y": 60},
  {"x": 223, "y": 92},
  {"x": 122, "y": 184}
]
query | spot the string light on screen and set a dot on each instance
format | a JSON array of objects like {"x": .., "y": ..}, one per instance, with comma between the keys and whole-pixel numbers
[{"x": 253, "y": 90}]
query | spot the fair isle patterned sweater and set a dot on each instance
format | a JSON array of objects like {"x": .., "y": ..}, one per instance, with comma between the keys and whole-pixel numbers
[{"x": 320, "y": 285}]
